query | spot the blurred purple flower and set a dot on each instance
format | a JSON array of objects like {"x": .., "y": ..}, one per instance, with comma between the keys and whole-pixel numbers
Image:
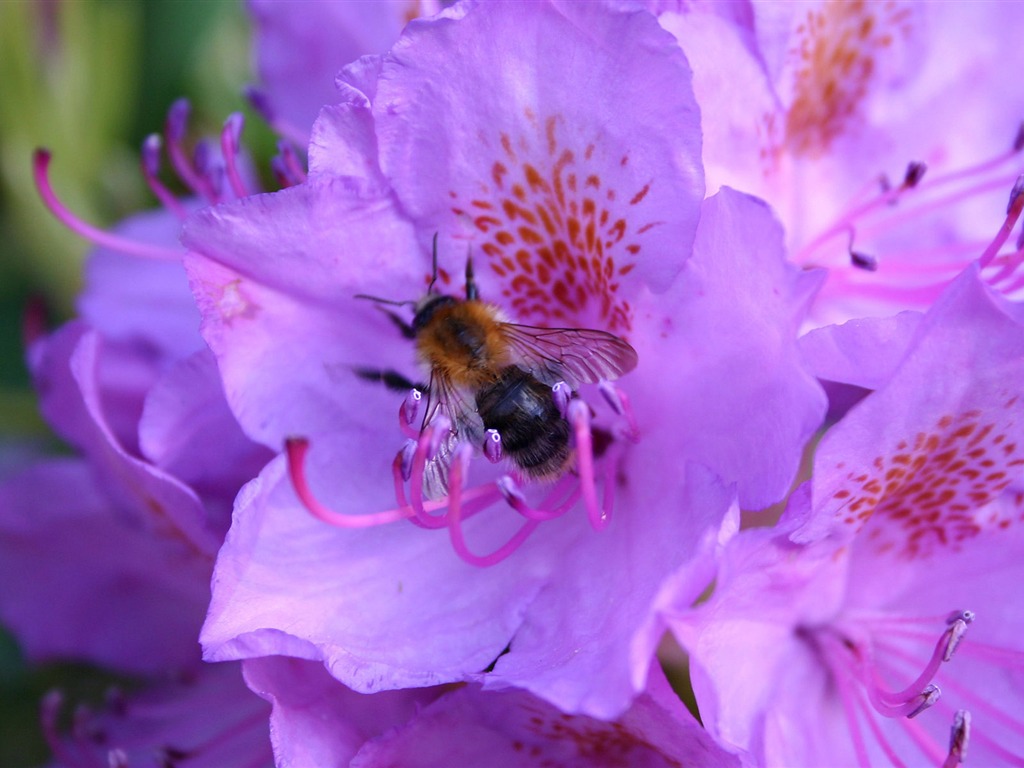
[
  {"x": 107, "y": 559},
  {"x": 301, "y": 48},
  {"x": 824, "y": 635}
]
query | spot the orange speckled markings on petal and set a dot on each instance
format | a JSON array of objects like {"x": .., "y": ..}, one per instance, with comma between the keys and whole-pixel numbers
[
  {"x": 932, "y": 490},
  {"x": 596, "y": 742},
  {"x": 836, "y": 62},
  {"x": 554, "y": 231}
]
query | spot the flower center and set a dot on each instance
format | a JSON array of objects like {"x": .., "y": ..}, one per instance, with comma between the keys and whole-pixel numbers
[{"x": 555, "y": 228}]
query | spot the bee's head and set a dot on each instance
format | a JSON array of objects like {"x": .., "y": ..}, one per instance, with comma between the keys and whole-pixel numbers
[{"x": 428, "y": 306}]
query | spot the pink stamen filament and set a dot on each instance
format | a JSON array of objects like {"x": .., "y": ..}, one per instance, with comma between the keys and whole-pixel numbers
[
  {"x": 907, "y": 703},
  {"x": 150, "y": 162},
  {"x": 229, "y": 146},
  {"x": 296, "y": 449},
  {"x": 876, "y": 730},
  {"x": 579, "y": 419},
  {"x": 836, "y": 659},
  {"x": 427, "y": 445},
  {"x": 40, "y": 168},
  {"x": 927, "y": 206},
  {"x": 845, "y": 222},
  {"x": 976, "y": 702},
  {"x": 459, "y": 464},
  {"x": 942, "y": 652},
  {"x": 475, "y": 500},
  {"x": 177, "y": 119},
  {"x": 48, "y": 714},
  {"x": 291, "y": 162},
  {"x": 518, "y": 503},
  {"x": 1012, "y": 214},
  {"x": 259, "y": 102},
  {"x": 210, "y": 169}
]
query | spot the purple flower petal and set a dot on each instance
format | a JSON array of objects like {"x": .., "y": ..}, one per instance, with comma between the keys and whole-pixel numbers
[
  {"x": 926, "y": 476},
  {"x": 720, "y": 365},
  {"x": 300, "y": 51},
  {"x": 67, "y": 368},
  {"x": 80, "y": 580},
  {"x": 395, "y": 607},
  {"x": 512, "y": 729},
  {"x": 206, "y": 719},
  {"x": 318, "y": 721},
  {"x": 188, "y": 431},
  {"x": 494, "y": 146}
]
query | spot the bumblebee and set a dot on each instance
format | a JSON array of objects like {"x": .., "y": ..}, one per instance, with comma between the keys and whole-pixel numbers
[{"x": 490, "y": 374}]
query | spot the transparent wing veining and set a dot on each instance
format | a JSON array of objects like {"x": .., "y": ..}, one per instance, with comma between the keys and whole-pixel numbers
[{"x": 574, "y": 355}]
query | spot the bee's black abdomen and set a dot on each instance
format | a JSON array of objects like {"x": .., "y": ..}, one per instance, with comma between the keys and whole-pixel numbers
[{"x": 533, "y": 433}]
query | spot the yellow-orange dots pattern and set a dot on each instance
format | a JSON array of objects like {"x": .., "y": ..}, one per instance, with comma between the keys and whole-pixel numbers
[
  {"x": 836, "y": 62},
  {"x": 559, "y": 237},
  {"x": 931, "y": 491}
]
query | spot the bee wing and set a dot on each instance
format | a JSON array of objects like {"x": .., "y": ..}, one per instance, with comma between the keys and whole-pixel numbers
[
  {"x": 573, "y": 355},
  {"x": 466, "y": 427}
]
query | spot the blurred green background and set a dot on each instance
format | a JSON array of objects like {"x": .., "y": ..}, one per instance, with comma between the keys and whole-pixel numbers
[{"x": 89, "y": 80}]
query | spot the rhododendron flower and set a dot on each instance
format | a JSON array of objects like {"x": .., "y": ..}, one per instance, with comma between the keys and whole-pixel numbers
[
  {"x": 890, "y": 568},
  {"x": 881, "y": 132},
  {"x": 576, "y": 215}
]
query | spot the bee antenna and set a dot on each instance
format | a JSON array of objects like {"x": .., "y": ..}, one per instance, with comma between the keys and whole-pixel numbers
[
  {"x": 433, "y": 273},
  {"x": 379, "y": 300},
  {"x": 471, "y": 292}
]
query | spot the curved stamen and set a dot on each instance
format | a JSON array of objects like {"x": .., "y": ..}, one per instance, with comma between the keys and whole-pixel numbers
[
  {"x": 259, "y": 102},
  {"x": 944, "y": 650},
  {"x": 1013, "y": 211},
  {"x": 426, "y": 448},
  {"x": 876, "y": 730},
  {"x": 908, "y": 703},
  {"x": 579, "y": 418},
  {"x": 230, "y": 142},
  {"x": 516, "y": 500},
  {"x": 40, "y": 168},
  {"x": 889, "y": 195},
  {"x": 49, "y": 709},
  {"x": 175, "y": 129},
  {"x": 460, "y": 463},
  {"x": 210, "y": 168},
  {"x": 150, "y": 161},
  {"x": 291, "y": 162},
  {"x": 297, "y": 448}
]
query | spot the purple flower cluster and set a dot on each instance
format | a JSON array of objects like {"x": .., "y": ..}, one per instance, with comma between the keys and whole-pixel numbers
[{"x": 808, "y": 483}]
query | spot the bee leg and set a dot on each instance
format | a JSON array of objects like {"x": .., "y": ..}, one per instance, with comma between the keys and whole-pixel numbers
[
  {"x": 399, "y": 322},
  {"x": 393, "y": 380}
]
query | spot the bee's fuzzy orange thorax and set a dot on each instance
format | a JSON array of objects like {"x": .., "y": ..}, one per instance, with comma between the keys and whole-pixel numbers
[{"x": 463, "y": 343}]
